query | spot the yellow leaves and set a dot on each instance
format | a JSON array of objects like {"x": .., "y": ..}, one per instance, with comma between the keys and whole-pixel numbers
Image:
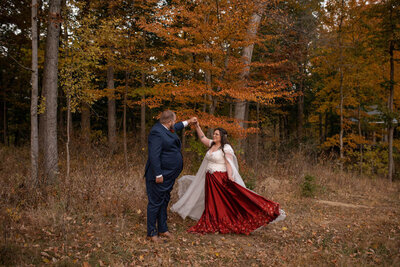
[
  {"x": 14, "y": 214},
  {"x": 42, "y": 105}
]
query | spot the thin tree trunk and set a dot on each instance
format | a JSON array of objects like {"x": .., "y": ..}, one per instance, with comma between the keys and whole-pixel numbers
[
  {"x": 257, "y": 141},
  {"x": 205, "y": 104},
  {"x": 143, "y": 115},
  {"x": 34, "y": 99},
  {"x": 68, "y": 137},
  {"x": 85, "y": 122},
  {"x": 50, "y": 86},
  {"x": 360, "y": 135},
  {"x": 300, "y": 112},
  {"x": 2, "y": 111},
  {"x": 321, "y": 134},
  {"x": 326, "y": 125},
  {"x": 341, "y": 87},
  {"x": 240, "y": 109},
  {"x": 69, "y": 127},
  {"x": 5, "y": 126},
  {"x": 391, "y": 97},
  {"x": 112, "y": 137},
  {"x": 124, "y": 122}
]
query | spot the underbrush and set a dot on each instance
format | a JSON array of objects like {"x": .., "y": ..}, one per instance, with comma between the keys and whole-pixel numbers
[{"x": 91, "y": 215}]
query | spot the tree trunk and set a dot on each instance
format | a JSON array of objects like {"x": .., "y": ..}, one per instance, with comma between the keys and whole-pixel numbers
[
  {"x": 124, "y": 119},
  {"x": 391, "y": 97},
  {"x": 257, "y": 141},
  {"x": 326, "y": 125},
  {"x": 360, "y": 135},
  {"x": 300, "y": 113},
  {"x": 34, "y": 99},
  {"x": 341, "y": 87},
  {"x": 143, "y": 116},
  {"x": 240, "y": 109},
  {"x": 112, "y": 137},
  {"x": 208, "y": 80},
  {"x": 4, "y": 117},
  {"x": 321, "y": 134},
  {"x": 50, "y": 78},
  {"x": 68, "y": 137},
  {"x": 69, "y": 127},
  {"x": 85, "y": 122},
  {"x": 2, "y": 114}
]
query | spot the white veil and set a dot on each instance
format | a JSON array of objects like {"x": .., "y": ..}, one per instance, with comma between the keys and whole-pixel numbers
[{"x": 191, "y": 188}]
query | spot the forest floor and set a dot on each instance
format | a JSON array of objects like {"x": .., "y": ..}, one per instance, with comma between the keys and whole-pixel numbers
[{"x": 98, "y": 218}]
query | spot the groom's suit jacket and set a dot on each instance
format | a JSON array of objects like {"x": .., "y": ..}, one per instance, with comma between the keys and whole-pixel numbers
[{"x": 165, "y": 156}]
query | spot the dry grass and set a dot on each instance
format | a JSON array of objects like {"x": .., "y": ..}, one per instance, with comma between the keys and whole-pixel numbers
[{"x": 98, "y": 216}]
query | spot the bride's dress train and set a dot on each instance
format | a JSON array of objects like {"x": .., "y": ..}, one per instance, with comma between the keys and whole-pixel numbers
[{"x": 219, "y": 204}]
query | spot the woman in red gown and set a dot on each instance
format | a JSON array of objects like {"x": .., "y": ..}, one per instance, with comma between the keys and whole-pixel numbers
[{"x": 226, "y": 205}]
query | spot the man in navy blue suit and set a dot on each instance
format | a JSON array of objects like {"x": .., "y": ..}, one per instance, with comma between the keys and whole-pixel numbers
[{"x": 164, "y": 164}]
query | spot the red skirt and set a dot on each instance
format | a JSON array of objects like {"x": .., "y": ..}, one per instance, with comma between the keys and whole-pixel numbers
[{"x": 231, "y": 208}]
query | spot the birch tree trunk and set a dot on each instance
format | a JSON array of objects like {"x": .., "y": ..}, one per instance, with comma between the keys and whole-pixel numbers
[
  {"x": 50, "y": 79},
  {"x": 112, "y": 137},
  {"x": 240, "y": 109},
  {"x": 34, "y": 98}
]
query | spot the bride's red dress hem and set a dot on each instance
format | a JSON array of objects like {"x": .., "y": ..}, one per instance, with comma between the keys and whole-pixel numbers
[{"x": 231, "y": 208}]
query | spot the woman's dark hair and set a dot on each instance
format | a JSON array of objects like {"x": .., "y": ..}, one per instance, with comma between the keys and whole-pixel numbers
[{"x": 224, "y": 138}]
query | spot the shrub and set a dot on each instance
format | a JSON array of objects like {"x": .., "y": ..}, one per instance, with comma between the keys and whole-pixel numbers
[{"x": 308, "y": 187}]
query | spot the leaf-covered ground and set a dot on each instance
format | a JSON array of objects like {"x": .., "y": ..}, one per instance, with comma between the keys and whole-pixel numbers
[
  {"x": 312, "y": 234},
  {"x": 106, "y": 224}
]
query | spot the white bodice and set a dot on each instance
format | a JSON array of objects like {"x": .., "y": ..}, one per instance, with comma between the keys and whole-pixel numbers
[{"x": 216, "y": 161}]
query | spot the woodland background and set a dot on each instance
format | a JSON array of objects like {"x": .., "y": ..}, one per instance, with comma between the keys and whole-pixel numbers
[{"x": 307, "y": 89}]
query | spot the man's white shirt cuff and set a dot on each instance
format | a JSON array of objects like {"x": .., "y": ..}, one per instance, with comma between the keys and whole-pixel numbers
[
  {"x": 159, "y": 176},
  {"x": 185, "y": 123}
]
